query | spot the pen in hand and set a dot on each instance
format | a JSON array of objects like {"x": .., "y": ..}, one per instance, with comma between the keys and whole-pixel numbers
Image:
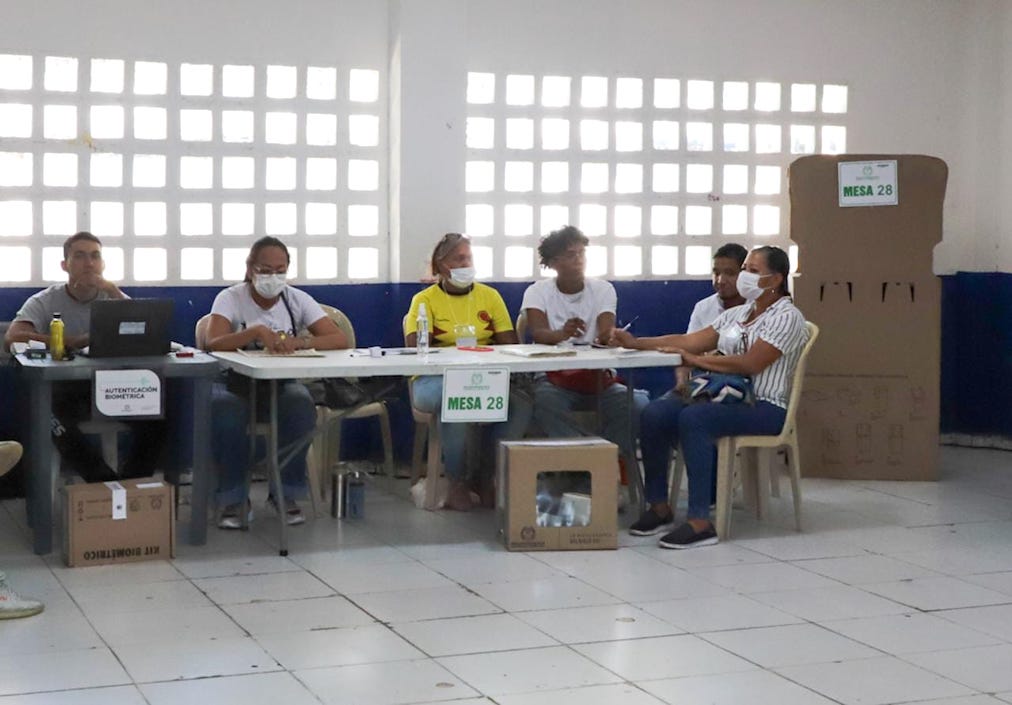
[{"x": 626, "y": 326}]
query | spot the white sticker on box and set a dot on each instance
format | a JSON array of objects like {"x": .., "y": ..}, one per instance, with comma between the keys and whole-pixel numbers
[
  {"x": 119, "y": 503},
  {"x": 148, "y": 485}
]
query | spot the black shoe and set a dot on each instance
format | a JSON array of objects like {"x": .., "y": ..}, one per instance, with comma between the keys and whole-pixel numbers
[
  {"x": 687, "y": 537},
  {"x": 650, "y": 523}
]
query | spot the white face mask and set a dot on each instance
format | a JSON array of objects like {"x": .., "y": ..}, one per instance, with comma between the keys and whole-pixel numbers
[
  {"x": 462, "y": 277},
  {"x": 748, "y": 285},
  {"x": 269, "y": 286}
]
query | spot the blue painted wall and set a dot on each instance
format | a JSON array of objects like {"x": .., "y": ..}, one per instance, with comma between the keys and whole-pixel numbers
[
  {"x": 977, "y": 353},
  {"x": 976, "y": 341}
]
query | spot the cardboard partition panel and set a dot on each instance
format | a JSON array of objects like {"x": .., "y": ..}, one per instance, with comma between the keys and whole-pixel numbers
[{"x": 870, "y": 406}]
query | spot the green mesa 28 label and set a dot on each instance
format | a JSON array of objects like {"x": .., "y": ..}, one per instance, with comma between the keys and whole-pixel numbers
[{"x": 476, "y": 394}]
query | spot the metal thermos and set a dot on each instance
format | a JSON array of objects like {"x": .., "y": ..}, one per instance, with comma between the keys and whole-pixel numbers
[
  {"x": 347, "y": 499},
  {"x": 354, "y": 496}
]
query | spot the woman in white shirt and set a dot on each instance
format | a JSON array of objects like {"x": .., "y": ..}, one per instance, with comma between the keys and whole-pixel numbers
[
  {"x": 264, "y": 312},
  {"x": 761, "y": 339}
]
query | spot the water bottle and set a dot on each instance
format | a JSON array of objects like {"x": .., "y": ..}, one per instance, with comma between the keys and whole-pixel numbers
[
  {"x": 57, "y": 350},
  {"x": 422, "y": 331}
]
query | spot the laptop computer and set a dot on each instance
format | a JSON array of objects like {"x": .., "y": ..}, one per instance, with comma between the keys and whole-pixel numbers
[{"x": 129, "y": 327}]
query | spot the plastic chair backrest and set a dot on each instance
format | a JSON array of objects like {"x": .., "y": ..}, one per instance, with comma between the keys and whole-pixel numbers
[
  {"x": 799, "y": 375},
  {"x": 200, "y": 331},
  {"x": 341, "y": 321},
  {"x": 521, "y": 326}
]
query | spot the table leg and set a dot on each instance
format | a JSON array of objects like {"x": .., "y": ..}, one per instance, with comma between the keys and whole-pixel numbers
[
  {"x": 272, "y": 454},
  {"x": 201, "y": 487},
  {"x": 40, "y": 486}
]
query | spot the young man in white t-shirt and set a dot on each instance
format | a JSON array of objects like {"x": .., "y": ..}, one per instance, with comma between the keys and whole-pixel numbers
[
  {"x": 727, "y": 261},
  {"x": 571, "y": 308}
]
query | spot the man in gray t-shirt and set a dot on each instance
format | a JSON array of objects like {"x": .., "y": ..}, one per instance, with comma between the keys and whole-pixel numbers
[{"x": 83, "y": 263}]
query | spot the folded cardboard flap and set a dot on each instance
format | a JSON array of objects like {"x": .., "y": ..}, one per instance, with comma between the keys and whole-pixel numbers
[
  {"x": 881, "y": 242},
  {"x": 835, "y": 290}
]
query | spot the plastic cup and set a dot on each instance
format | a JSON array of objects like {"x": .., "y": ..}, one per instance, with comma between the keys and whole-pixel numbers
[{"x": 466, "y": 335}]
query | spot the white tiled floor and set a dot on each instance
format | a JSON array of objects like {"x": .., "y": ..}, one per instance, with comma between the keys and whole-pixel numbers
[{"x": 895, "y": 593}]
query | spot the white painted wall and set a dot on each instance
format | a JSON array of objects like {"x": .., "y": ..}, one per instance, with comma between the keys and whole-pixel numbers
[{"x": 925, "y": 76}]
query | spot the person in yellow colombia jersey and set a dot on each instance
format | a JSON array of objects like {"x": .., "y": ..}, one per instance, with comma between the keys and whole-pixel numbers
[{"x": 456, "y": 301}]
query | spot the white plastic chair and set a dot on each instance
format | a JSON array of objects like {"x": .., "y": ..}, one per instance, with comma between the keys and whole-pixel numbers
[
  {"x": 755, "y": 474},
  {"x": 327, "y": 446}
]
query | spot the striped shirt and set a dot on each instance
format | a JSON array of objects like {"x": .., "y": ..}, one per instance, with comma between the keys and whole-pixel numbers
[{"x": 781, "y": 325}]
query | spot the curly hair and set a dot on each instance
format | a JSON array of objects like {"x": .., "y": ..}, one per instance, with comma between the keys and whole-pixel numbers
[{"x": 558, "y": 241}]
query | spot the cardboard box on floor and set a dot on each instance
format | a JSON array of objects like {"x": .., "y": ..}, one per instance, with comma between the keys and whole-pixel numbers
[
  {"x": 143, "y": 528},
  {"x": 870, "y": 404},
  {"x": 524, "y": 466}
]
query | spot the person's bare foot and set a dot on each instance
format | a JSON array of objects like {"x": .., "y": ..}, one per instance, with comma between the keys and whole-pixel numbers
[{"x": 459, "y": 497}]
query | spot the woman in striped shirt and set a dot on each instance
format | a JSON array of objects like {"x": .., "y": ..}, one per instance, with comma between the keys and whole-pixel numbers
[{"x": 761, "y": 339}]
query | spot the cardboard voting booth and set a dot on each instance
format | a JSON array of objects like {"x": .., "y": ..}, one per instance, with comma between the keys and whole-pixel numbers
[{"x": 866, "y": 228}]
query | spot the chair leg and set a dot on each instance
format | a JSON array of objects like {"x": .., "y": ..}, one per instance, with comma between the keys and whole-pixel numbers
[
  {"x": 747, "y": 473},
  {"x": 794, "y": 467},
  {"x": 764, "y": 459},
  {"x": 418, "y": 451},
  {"x": 637, "y": 491},
  {"x": 775, "y": 474},
  {"x": 388, "y": 442},
  {"x": 313, "y": 470},
  {"x": 320, "y": 452},
  {"x": 434, "y": 465},
  {"x": 725, "y": 486},
  {"x": 334, "y": 448}
]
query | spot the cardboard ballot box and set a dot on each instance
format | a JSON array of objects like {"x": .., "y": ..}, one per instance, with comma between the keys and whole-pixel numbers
[
  {"x": 118, "y": 522},
  {"x": 557, "y": 494}
]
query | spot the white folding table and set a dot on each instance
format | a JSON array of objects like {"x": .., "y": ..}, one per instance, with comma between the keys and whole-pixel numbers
[{"x": 358, "y": 363}]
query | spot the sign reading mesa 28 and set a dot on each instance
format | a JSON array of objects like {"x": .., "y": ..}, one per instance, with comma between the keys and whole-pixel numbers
[
  {"x": 475, "y": 394},
  {"x": 868, "y": 183}
]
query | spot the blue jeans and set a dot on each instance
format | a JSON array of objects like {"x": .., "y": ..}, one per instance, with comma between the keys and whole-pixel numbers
[
  {"x": 552, "y": 405},
  {"x": 427, "y": 393},
  {"x": 230, "y": 439},
  {"x": 668, "y": 421}
]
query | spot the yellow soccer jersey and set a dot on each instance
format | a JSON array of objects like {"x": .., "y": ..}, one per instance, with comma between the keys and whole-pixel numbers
[{"x": 482, "y": 307}]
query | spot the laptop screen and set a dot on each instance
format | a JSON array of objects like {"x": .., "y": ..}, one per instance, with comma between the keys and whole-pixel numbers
[{"x": 130, "y": 327}]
